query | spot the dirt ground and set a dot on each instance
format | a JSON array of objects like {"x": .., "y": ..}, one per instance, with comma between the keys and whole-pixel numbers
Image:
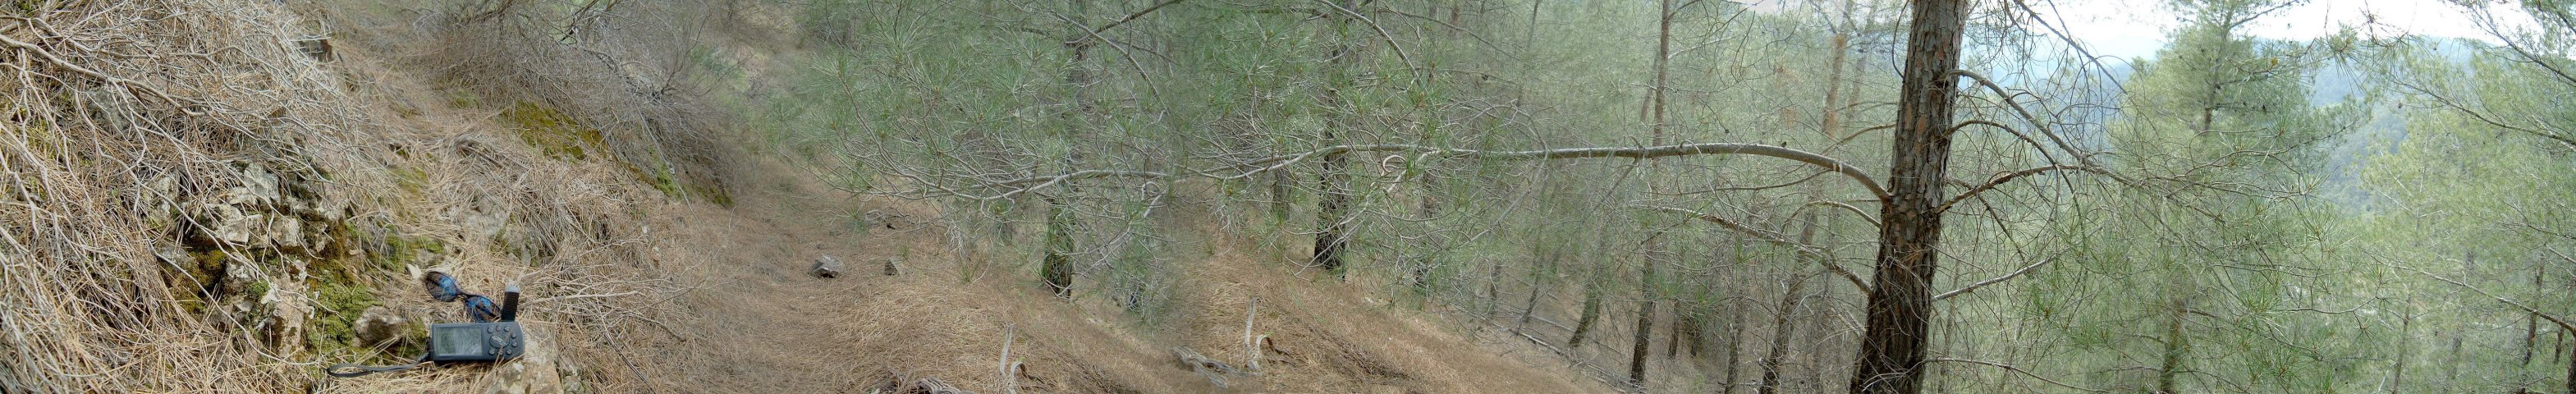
[{"x": 755, "y": 320}]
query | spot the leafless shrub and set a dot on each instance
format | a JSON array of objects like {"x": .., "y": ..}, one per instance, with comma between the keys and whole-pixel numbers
[{"x": 625, "y": 68}]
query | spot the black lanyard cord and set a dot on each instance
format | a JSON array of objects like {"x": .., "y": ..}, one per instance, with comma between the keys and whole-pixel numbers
[{"x": 351, "y": 370}]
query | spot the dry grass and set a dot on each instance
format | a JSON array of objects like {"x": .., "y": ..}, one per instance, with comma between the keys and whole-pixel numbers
[
  {"x": 106, "y": 98},
  {"x": 782, "y": 331},
  {"x": 128, "y": 118}
]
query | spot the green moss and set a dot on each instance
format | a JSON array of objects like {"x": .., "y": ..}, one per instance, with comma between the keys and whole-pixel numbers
[
  {"x": 411, "y": 180},
  {"x": 404, "y": 110},
  {"x": 257, "y": 289},
  {"x": 463, "y": 99},
  {"x": 188, "y": 301},
  {"x": 673, "y": 186},
  {"x": 30, "y": 7},
  {"x": 715, "y": 195},
  {"x": 198, "y": 279},
  {"x": 210, "y": 261},
  {"x": 342, "y": 288},
  {"x": 563, "y": 137},
  {"x": 415, "y": 340},
  {"x": 342, "y": 237},
  {"x": 558, "y": 135},
  {"x": 338, "y": 305},
  {"x": 397, "y": 250}
]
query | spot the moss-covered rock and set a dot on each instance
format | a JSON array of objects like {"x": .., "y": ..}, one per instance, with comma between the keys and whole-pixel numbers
[
  {"x": 337, "y": 307},
  {"x": 558, "y": 135}
]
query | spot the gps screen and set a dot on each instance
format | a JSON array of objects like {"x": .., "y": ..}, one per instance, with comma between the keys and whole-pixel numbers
[{"x": 457, "y": 341}]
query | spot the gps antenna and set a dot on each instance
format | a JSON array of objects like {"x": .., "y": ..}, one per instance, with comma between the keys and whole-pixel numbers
[{"x": 510, "y": 303}]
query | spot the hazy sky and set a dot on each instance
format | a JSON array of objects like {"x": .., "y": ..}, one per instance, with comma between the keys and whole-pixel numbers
[{"x": 2136, "y": 28}]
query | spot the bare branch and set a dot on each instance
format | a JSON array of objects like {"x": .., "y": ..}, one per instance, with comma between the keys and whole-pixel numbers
[
  {"x": 1810, "y": 251},
  {"x": 1801, "y": 180},
  {"x": 2553, "y": 319},
  {"x": 1864, "y": 216},
  {"x": 2025, "y": 115},
  {"x": 2001, "y": 178},
  {"x": 2011, "y": 368},
  {"x": 132, "y": 86},
  {"x": 1012, "y": 187},
  {"x": 1015, "y": 187},
  {"x": 2487, "y": 22},
  {"x": 1381, "y": 31},
  {"x": 1999, "y": 279},
  {"x": 1647, "y": 152},
  {"x": 1452, "y": 27},
  {"x": 2446, "y": 101},
  {"x": 1132, "y": 16}
]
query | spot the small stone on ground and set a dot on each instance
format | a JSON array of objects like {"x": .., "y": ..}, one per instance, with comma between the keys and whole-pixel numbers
[{"x": 827, "y": 267}]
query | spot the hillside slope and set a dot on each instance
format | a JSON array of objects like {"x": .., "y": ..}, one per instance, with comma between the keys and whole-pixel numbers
[{"x": 212, "y": 205}]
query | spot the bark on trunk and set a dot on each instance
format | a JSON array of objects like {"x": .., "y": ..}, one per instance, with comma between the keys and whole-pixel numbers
[
  {"x": 1528, "y": 307},
  {"x": 1697, "y": 334},
  {"x": 1280, "y": 200},
  {"x": 2175, "y": 347},
  {"x": 1591, "y": 312},
  {"x": 2530, "y": 326},
  {"x": 1654, "y": 243},
  {"x": 1673, "y": 336},
  {"x": 1333, "y": 211},
  {"x": 1645, "y": 326},
  {"x": 2405, "y": 329},
  {"x": 1900, "y": 299},
  {"x": 1782, "y": 328},
  {"x": 1057, "y": 267},
  {"x": 1493, "y": 293},
  {"x": 1734, "y": 347},
  {"x": 1783, "y": 324}
]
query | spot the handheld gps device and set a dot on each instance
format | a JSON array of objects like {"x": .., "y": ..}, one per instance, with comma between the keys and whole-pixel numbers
[
  {"x": 475, "y": 341},
  {"x": 482, "y": 341}
]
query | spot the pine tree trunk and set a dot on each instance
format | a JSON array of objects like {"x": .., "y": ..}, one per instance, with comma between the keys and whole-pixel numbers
[
  {"x": 1900, "y": 297},
  {"x": 2571, "y": 378},
  {"x": 1493, "y": 291},
  {"x": 1280, "y": 200},
  {"x": 1529, "y": 307},
  {"x": 1645, "y": 326},
  {"x": 1673, "y": 336},
  {"x": 2406, "y": 329},
  {"x": 1698, "y": 334},
  {"x": 1638, "y": 354},
  {"x": 1056, "y": 267},
  {"x": 1333, "y": 210},
  {"x": 1782, "y": 328},
  {"x": 1734, "y": 347},
  {"x": 1591, "y": 312},
  {"x": 2175, "y": 347},
  {"x": 2530, "y": 326}
]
